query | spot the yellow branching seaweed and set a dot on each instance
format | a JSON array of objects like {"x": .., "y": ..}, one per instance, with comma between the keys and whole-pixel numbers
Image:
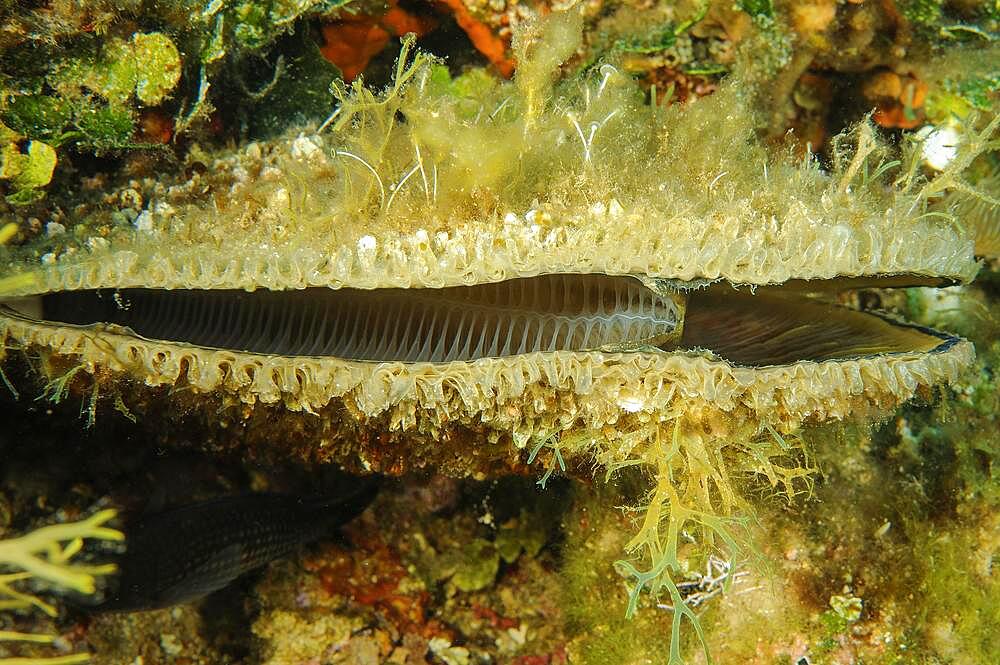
[
  {"x": 46, "y": 554},
  {"x": 696, "y": 499}
]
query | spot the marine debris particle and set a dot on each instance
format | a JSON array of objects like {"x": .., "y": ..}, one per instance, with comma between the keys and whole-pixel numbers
[{"x": 422, "y": 189}]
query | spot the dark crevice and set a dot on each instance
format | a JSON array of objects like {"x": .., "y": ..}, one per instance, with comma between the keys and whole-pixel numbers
[{"x": 547, "y": 313}]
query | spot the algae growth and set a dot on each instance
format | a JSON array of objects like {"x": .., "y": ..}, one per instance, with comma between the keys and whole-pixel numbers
[{"x": 825, "y": 571}]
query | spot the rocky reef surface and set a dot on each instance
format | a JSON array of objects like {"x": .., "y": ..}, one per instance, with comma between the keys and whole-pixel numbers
[{"x": 866, "y": 533}]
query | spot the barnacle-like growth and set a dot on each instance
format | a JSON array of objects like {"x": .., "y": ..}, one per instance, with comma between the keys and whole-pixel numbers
[
  {"x": 46, "y": 555},
  {"x": 471, "y": 275}
]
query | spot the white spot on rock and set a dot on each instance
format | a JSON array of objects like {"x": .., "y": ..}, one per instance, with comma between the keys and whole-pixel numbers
[
  {"x": 615, "y": 209},
  {"x": 940, "y": 146},
  {"x": 366, "y": 249},
  {"x": 304, "y": 148},
  {"x": 96, "y": 244},
  {"x": 631, "y": 404},
  {"x": 144, "y": 222}
]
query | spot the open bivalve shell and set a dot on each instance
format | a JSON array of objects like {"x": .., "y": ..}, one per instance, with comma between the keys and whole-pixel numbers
[{"x": 532, "y": 262}]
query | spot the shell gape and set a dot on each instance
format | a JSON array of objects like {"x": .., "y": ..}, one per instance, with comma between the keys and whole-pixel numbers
[
  {"x": 769, "y": 329},
  {"x": 538, "y": 314}
]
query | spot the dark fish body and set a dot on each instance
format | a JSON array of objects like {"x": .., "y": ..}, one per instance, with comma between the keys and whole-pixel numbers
[{"x": 185, "y": 553}]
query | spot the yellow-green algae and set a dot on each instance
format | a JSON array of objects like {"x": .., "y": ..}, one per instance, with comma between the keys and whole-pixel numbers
[
  {"x": 583, "y": 150},
  {"x": 148, "y": 66},
  {"x": 365, "y": 208},
  {"x": 903, "y": 518},
  {"x": 28, "y": 169},
  {"x": 121, "y": 79},
  {"x": 47, "y": 556},
  {"x": 890, "y": 560}
]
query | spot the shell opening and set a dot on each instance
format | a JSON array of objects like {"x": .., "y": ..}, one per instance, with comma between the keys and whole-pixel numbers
[
  {"x": 547, "y": 313},
  {"x": 779, "y": 327}
]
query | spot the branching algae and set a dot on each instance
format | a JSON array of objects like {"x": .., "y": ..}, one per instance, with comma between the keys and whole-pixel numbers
[
  {"x": 468, "y": 275},
  {"x": 46, "y": 555}
]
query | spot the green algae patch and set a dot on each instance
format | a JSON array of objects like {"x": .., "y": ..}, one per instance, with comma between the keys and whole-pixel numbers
[
  {"x": 962, "y": 81},
  {"x": 91, "y": 96},
  {"x": 476, "y": 566},
  {"x": 525, "y": 534},
  {"x": 255, "y": 24},
  {"x": 38, "y": 116},
  {"x": 939, "y": 21},
  {"x": 953, "y": 453},
  {"x": 958, "y": 595},
  {"x": 160, "y": 68},
  {"x": 847, "y": 608},
  {"x": 468, "y": 556},
  {"x": 757, "y": 8},
  {"x": 28, "y": 169},
  {"x": 597, "y": 631},
  {"x": 148, "y": 66},
  {"x": 315, "y": 633}
]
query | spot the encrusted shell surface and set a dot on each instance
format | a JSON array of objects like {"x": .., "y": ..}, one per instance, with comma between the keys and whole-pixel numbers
[
  {"x": 521, "y": 191},
  {"x": 529, "y": 397}
]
